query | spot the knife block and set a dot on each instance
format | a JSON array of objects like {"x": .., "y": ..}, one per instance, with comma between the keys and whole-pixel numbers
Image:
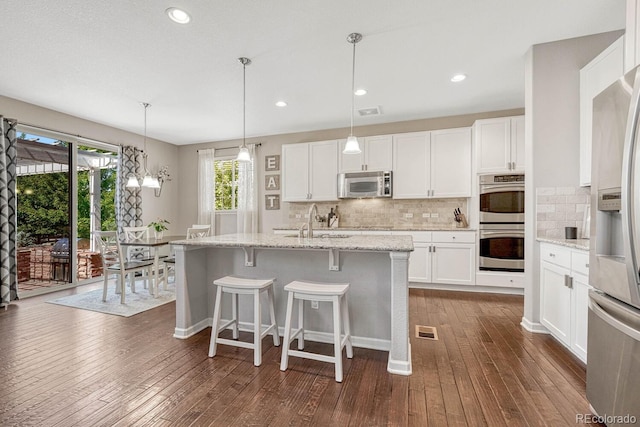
[{"x": 463, "y": 221}]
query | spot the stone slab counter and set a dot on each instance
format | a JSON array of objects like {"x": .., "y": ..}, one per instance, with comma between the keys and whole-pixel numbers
[
  {"x": 339, "y": 242},
  {"x": 570, "y": 243}
]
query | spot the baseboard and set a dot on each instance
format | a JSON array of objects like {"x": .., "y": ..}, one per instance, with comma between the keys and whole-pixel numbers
[
  {"x": 400, "y": 367},
  {"x": 464, "y": 288},
  {"x": 323, "y": 337},
  {"x": 535, "y": 327},
  {"x": 192, "y": 330}
]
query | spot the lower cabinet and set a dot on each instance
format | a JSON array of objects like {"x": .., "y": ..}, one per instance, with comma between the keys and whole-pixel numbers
[
  {"x": 442, "y": 257},
  {"x": 564, "y": 295}
]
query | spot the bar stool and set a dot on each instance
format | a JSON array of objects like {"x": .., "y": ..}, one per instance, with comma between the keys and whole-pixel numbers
[
  {"x": 235, "y": 286},
  {"x": 330, "y": 292}
]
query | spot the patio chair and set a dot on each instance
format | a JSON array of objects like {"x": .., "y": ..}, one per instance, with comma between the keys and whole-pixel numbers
[{"x": 114, "y": 262}]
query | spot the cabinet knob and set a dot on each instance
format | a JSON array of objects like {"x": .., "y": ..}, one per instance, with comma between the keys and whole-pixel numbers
[
  {"x": 552, "y": 255},
  {"x": 587, "y": 265},
  {"x": 453, "y": 237}
]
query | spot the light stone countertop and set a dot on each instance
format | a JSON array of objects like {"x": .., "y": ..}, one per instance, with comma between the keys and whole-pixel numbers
[
  {"x": 434, "y": 227},
  {"x": 582, "y": 244},
  {"x": 345, "y": 243}
]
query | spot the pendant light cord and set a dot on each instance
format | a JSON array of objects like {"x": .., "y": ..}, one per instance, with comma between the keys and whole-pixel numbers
[
  {"x": 353, "y": 85},
  {"x": 244, "y": 104}
]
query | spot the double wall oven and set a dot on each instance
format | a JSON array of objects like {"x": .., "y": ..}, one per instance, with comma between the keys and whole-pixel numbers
[{"x": 502, "y": 222}]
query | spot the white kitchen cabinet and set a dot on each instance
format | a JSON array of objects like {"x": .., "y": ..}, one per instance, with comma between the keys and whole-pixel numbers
[
  {"x": 442, "y": 257},
  {"x": 411, "y": 161},
  {"x": 564, "y": 298},
  {"x": 375, "y": 156},
  {"x": 451, "y": 163},
  {"x": 432, "y": 164},
  {"x": 603, "y": 70},
  {"x": 309, "y": 171},
  {"x": 632, "y": 35},
  {"x": 556, "y": 300},
  {"x": 499, "y": 144}
]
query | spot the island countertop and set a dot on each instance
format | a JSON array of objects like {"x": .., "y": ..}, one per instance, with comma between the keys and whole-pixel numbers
[{"x": 268, "y": 240}]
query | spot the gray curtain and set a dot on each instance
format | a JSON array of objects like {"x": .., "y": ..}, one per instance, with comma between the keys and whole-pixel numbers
[
  {"x": 128, "y": 200},
  {"x": 8, "y": 158}
]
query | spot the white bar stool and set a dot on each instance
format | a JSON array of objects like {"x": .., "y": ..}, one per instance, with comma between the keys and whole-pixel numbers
[
  {"x": 330, "y": 292},
  {"x": 235, "y": 286}
]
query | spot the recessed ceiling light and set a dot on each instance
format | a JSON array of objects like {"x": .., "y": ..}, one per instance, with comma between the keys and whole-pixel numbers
[
  {"x": 458, "y": 78},
  {"x": 281, "y": 104},
  {"x": 178, "y": 15},
  {"x": 360, "y": 92}
]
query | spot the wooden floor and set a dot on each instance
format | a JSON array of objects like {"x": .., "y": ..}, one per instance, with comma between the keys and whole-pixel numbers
[{"x": 63, "y": 366}]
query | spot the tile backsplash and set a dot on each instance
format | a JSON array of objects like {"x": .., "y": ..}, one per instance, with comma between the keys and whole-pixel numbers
[
  {"x": 387, "y": 213},
  {"x": 560, "y": 207}
]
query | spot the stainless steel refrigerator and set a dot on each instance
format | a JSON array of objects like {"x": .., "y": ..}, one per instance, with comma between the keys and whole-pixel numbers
[{"x": 613, "y": 350}]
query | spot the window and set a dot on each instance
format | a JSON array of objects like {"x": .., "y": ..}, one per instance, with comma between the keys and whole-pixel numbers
[{"x": 226, "y": 180}]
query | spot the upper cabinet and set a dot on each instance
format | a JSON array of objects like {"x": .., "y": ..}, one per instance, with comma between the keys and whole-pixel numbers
[
  {"x": 632, "y": 36},
  {"x": 432, "y": 164},
  {"x": 375, "y": 156},
  {"x": 603, "y": 70},
  {"x": 309, "y": 171},
  {"x": 499, "y": 144}
]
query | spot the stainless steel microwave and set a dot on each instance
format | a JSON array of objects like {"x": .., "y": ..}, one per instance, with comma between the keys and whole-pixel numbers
[{"x": 358, "y": 185}]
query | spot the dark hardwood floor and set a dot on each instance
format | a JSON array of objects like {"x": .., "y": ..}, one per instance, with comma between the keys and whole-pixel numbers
[{"x": 67, "y": 367}]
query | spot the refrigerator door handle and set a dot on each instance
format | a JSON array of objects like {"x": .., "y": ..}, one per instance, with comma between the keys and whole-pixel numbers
[
  {"x": 630, "y": 207},
  {"x": 596, "y": 306}
]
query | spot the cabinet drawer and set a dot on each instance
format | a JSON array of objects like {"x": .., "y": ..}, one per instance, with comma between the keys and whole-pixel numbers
[
  {"x": 580, "y": 262},
  {"x": 556, "y": 255},
  {"x": 454, "y": 237},
  {"x": 418, "y": 236}
]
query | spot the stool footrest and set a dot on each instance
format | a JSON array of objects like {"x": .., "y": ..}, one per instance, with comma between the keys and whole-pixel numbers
[
  {"x": 294, "y": 335},
  {"x": 236, "y": 343},
  {"x": 226, "y": 325},
  {"x": 313, "y": 356},
  {"x": 267, "y": 330}
]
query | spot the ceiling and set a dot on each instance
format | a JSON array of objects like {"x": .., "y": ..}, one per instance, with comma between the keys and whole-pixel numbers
[{"x": 99, "y": 59}]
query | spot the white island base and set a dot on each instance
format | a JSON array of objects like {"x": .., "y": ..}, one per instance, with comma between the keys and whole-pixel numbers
[{"x": 378, "y": 292}]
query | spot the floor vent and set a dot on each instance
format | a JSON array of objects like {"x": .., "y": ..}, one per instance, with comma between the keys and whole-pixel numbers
[{"x": 426, "y": 332}]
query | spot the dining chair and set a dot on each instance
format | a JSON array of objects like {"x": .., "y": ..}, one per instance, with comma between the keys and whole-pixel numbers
[
  {"x": 137, "y": 233},
  {"x": 196, "y": 230},
  {"x": 114, "y": 262}
]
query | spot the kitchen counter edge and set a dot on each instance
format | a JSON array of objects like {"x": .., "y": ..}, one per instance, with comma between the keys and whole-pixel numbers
[
  {"x": 269, "y": 240},
  {"x": 582, "y": 244}
]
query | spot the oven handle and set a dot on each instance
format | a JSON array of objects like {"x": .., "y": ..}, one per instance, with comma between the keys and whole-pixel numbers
[
  {"x": 486, "y": 189},
  {"x": 501, "y": 234}
]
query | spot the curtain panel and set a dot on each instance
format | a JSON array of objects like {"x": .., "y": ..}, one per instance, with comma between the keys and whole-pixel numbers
[
  {"x": 128, "y": 200},
  {"x": 8, "y": 222},
  {"x": 247, "y": 209},
  {"x": 207, "y": 188}
]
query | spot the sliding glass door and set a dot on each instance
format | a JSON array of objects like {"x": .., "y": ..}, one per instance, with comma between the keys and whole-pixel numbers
[{"x": 65, "y": 191}]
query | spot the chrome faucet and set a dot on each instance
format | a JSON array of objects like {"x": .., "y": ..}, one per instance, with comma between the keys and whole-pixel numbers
[{"x": 312, "y": 209}]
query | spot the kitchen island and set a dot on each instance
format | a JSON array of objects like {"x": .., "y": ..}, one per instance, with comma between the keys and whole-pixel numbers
[{"x": 375, "y": 266}]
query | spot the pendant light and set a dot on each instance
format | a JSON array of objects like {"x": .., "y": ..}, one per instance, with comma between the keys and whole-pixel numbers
[
  {"x": 352, "y": 146},
  {"x": 243, "y": 154},
  {"x": 148, "y": 180}
]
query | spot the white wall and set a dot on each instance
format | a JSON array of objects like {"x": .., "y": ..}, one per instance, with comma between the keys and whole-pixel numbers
[
  {"x": 552, "y": 97},
  {"x": 160, "y": 153}
]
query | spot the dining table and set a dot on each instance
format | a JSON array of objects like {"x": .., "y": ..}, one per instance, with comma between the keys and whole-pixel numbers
[{"x": 155, "y": 244}]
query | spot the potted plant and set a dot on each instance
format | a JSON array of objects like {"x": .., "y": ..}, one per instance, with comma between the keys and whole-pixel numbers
[{"x": 159, "y": 226}]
